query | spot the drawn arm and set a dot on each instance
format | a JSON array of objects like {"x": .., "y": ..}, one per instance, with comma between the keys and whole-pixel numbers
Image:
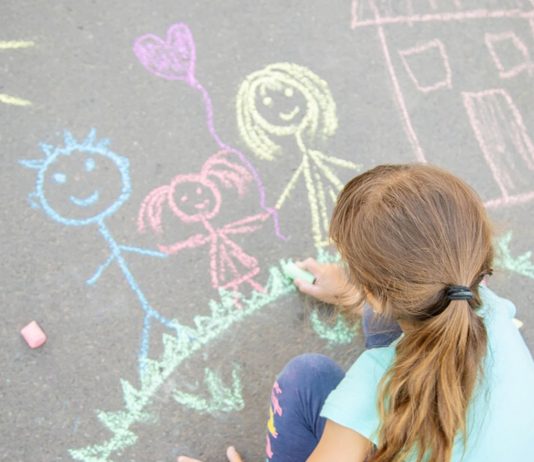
[
  {"x": 245, "y": 225},
  {"x": 335, "y": 160},
  {"x": 147, "y": 252},
  {"x": 321, "y": 160},
  {"x": 190, "y": 243},
  {"x": 100, "y": 270}
]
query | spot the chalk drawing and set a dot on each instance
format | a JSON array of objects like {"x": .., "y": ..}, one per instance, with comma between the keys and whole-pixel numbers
[
  {"x": 511, "y": 42},
  {"x": 505, "y": 143},
  {"x": 196, "y": 198},
  {"x": 399, "y": 98},
  {"x": 288, "y": 100},
  {"x": 57, "y": 192},
  {"x": 15, "y": 45},
  {"x": 428, "y": 52},
  {"x": 175, "y": 59},
  {"x": 381, "y": 14},
  {"x": 363, "y": 14},
  {"x": 175, "y": 351},
  {"x": 275, "y": 408},
  {"x": 523, "y": 264},
  {"x": 222, "y": 398},
  {"x": 335, "y": 333}
]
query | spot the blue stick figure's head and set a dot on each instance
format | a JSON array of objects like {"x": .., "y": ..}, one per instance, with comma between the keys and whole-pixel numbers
[{"x": 80, "y": 183}]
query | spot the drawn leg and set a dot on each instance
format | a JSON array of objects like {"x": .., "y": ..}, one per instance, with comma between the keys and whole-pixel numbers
[
  {"x": 313, "y": 199},
  {"x": 145, "y": 344}
]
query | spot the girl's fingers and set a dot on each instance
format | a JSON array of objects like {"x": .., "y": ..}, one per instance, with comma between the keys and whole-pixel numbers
[
  {"x": 307, "y": 288},
  {"x": 187, "y": 459},
  {"x": 311, "y": 265},
  {"x": 233, "y": 455}
]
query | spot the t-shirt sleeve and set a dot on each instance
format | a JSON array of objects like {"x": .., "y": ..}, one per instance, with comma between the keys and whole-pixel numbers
[{"x": 353, "y": 403}]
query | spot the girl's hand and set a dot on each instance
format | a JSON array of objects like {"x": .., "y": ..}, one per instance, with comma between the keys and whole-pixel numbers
[
  {"x": 331, "y": 283},
  {"x": 231, "y": 454}
]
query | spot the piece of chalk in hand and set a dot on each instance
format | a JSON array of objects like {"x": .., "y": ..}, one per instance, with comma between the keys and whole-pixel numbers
[
  {"x": 294, "y": 272},
  {"x": 33, "y": 335}
]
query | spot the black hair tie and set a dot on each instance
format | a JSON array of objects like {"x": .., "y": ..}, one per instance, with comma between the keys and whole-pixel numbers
[{"x": 459, "y": 293}]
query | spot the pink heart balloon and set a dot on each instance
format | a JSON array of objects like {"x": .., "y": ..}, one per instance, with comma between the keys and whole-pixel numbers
[{"x": 172, "y": 59}]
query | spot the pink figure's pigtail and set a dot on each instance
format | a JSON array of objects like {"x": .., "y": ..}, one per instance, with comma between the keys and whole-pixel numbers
[
  {"x": 151, "y": 209},
  {"x": 229, "y": 173}
]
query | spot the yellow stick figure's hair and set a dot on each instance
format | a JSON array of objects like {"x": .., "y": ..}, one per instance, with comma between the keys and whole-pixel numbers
[{"x": 319, "y": 121}]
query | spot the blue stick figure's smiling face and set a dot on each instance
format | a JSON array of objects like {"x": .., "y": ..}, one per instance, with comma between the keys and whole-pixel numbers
[
  {"x": 62, "y": 178},
  {"x": 82, "y": 183}
]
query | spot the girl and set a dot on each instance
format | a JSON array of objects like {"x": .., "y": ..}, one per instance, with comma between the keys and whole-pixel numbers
[{"x": 453, "y": 380}]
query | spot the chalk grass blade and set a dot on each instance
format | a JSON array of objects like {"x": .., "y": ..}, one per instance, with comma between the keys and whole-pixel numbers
[
  {"x": 523, "y": 264},
  {"x": 222, "y": 398},
  {"x": 339, "y": 333}
]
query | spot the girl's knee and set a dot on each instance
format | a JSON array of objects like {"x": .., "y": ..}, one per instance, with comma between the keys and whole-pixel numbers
[{"x": 309, "y": 367}]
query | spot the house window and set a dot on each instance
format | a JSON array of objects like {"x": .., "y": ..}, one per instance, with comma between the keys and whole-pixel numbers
[
  {"x": 427, "y": 66},
  {"x": 509, "y": 54}
]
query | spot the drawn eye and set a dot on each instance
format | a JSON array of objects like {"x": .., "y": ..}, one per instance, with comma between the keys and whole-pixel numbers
[
  {"x": 268, "y": 101},
  {"x": 199, "y": 191},
  {"x": 89, "y": 164},
  {"x": 60, "y": 178},
  {"x": 183, "y": 198},
  {"x": 288, "y": 92}
]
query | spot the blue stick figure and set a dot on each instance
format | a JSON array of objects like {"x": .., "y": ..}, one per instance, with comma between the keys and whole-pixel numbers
[{"x": 69, "y": 188}]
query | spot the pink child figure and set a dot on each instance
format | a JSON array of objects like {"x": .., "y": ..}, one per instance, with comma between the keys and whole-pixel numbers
[{"x": 196, "y": 198}]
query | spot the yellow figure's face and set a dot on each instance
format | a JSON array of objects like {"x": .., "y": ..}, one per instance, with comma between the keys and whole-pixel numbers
[{"x": 281, "y": 104}]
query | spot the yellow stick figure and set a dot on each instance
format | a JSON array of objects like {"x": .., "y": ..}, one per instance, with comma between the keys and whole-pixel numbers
[{"x": 288, "y": 100}]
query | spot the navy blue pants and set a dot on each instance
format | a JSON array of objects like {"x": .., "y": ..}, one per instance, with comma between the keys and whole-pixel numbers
[{"x": 295, "y": 427}]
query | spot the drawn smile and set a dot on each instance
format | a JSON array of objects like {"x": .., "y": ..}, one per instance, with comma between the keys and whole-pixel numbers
[
  {"x": 289, "y": 116},
  {"x": 86, "y": 202},
  {"x": 202, "y": 205}
]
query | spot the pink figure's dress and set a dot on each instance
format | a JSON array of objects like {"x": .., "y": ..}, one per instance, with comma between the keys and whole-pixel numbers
[{"x": 230, "y": 266}]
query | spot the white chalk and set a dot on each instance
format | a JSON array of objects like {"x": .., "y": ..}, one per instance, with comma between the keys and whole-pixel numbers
[{"x": 33, "y": 335}]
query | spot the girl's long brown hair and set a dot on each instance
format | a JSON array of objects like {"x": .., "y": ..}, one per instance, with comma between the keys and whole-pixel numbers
[{"x": 407, "y": 232}]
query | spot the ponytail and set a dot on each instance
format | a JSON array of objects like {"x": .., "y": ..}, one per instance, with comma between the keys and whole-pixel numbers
[{"x": 428, "y": 388}]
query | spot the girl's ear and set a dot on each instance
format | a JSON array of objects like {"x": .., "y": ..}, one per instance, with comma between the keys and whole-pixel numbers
[{"x": 373, "y": 301}]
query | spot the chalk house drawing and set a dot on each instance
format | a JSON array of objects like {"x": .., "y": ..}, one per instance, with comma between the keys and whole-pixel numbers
[
  {"x": 70, "y": 189},
  {"x": 15, "y": 45},
  {"x": 175, "y": 59},
  {"x": 288, "y": 100},
  {"x": 197, "y": 198},
  {"x": 512, "y": 170}
]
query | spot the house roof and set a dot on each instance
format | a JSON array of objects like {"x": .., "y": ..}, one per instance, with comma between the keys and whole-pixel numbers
[{"x": 383, "y": 12}]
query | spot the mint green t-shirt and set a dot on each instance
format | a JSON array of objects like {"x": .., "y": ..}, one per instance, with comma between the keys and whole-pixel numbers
[{"x": 500, "y": 422}]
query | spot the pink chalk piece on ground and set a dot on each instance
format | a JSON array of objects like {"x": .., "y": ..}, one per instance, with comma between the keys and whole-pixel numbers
[{"x": 33, "y": 334}]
